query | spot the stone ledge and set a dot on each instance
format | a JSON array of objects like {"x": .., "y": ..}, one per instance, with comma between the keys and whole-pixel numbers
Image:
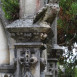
[
  {"x": 7, "y": 69},
  {"x": 26, "y": 25},
  {"x": 48, "y": 74},
  {"x": 30, "y": 45},
  {"x": 52, "y": 59}
]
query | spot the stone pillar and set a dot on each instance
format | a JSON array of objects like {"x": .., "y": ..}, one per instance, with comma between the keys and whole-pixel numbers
[
  {"x": 30, "y": 7},
  {"x": 4, "y": 52},
  {"x": 11, "y": 49},
  {"x": 27, "y": 8},
  {"x": 28, "y": 35},
  {"x": 54, "y": 29},
  {"x": 37, "y": 68}
]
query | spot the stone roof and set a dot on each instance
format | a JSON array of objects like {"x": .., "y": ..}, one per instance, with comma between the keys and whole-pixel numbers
[
  {"x": 24, "y": 23},
  {"x": 27, "y": 26}
]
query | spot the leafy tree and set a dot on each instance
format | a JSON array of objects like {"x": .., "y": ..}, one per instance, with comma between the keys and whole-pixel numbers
[
  {"x": 75, "y": 72},
  {"x": 67, "y": 27},
  {"x": 69, "y": 62},
  {"x": 67, "y": 35}
]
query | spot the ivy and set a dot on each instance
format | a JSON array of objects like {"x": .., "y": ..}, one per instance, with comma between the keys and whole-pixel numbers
[{"x": 11, "y": 9}]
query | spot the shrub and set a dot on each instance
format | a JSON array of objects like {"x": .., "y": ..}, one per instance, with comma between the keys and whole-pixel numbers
[{"x": 11, "y": 9}]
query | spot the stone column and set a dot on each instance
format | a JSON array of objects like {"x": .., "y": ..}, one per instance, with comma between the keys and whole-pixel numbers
[
  {"x": 37, "y": 68},
  {"x": 54, "y": 29},
  {"x": 27, "y": 8},
  {"x": 4, "y": 52},
  {"x": 30, "y": 7}
]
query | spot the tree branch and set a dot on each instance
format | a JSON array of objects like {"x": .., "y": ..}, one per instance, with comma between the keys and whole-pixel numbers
[{"x": 69, "y": 40}]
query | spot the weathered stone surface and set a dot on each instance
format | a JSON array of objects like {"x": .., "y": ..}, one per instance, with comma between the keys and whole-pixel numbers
[
  {"x": 6, "y": 75},
  {"x": 7, "y": 69},
  {"x": 25, "y": 47},
  {"x": 30, "y": 7},
  {"x": 26, "y": 25},
  {"x": 29, "y": 44},
  {"x": 4, "y": 51}
]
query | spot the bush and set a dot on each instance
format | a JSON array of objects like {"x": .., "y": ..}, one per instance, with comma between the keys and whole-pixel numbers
[{"x": 11, "y": 9}]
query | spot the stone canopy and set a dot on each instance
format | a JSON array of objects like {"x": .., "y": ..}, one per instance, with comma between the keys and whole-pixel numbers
[{"x": 26, "y": 25}]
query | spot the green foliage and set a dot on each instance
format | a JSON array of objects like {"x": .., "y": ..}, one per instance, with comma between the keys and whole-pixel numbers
[
  {"x": 73, "y": 9},
  {"x": 76, "y": 72},
  {"x": 67, "y": 22},
  {"x": 60, "y": 73},
  {"x": 67, "y": 35},
  {"x": 11, "y": 9},
  {"x": 69, "y": 70}
]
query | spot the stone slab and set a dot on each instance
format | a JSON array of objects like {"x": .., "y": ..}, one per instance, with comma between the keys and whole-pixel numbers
[
  {"x": 26, "y": 25},
  {"x": 7, "y": 69},
  {"x": 29, "y": 45}
]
